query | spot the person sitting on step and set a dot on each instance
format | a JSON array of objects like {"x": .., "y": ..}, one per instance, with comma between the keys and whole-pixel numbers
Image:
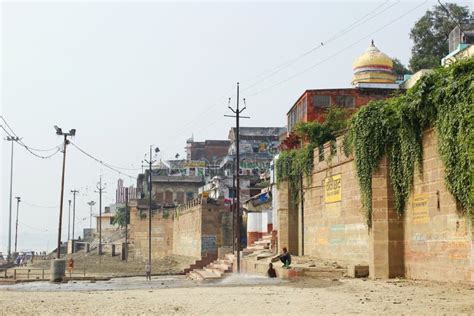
[{"x": 284, "y": 257}]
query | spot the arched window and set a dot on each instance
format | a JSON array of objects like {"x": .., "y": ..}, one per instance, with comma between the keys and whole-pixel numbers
[
  {"x": 180, "y": 197},
  {"x": 159, "y": 197},
  {"x": 169, "y": 197}
]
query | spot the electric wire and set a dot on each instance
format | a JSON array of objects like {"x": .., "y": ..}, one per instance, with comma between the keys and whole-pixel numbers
[
  {"x": 338, "y": 52},
  {"x": 13, "y": 135},
  {"x": 369, "y": 16},
  {"x": 20, "y": 141},
  {"x": 109, "y": 166},
  {"x": 33, "y": 227},
  {"x": 362, "y": 20},
  {"x": 36, "y": 205}
]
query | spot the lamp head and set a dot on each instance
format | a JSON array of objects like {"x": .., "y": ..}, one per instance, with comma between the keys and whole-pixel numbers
[
  {"x": 157, "y": 150},
  {"x": 59, "y": 131},
  {"x": 72, "y": 132}
]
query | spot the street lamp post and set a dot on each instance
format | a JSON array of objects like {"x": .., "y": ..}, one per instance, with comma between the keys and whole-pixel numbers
[{"x": 71, "y": 133}]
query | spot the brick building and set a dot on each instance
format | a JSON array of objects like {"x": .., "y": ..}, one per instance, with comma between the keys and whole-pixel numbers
[
  {"x": 210, "y": 150},
  {"x": 167, "y": 190},
  {"x": 373, "y": 80}
]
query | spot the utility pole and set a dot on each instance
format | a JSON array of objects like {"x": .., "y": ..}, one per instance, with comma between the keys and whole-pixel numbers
[
  {"x": 126, "y": 224},
  {"x": 18, "y": 200},
  {"x": 302, "y": 213},
  {"x": 71, "y": 133},
  {"x": 150, "y": 163},
  {"x": 69, "y": 222},
  {"x": 74, "y": 192},
  {"x": 100, "y": 189},
  {"x": 237, "y": 111},
  {"x": 10, "y": 139},
  {"x": 233, "y": 206},
  {"x": 91, "y": 204}
]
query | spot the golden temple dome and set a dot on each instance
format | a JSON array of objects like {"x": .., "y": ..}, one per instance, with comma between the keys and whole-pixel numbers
[{"x": 373, "y": 66}]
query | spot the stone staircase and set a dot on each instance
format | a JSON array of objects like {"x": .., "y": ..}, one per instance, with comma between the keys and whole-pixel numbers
[
  {"x": 263, "y": 243},
  {"x": 218, "y": 268},
  {"x": 214, "y": 270},
  {"x": 205, "y": 260}
]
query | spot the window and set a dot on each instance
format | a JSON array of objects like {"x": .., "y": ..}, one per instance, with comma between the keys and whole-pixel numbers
[
  {"x": 292, "y": 119},
  {"x": 305, "y": 108},
  {"x": 189, "y": 196},
  {"x": 168, "y": 197},
  {"x": 180, "y": 197},
  {"x": 321, "y": 101},
  {"x": 345, "y": 101},
  {"x": 159, "y": 197}
]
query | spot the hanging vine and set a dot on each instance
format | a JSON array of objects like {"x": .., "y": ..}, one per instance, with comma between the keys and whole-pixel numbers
[
  {"x": 394, "y": 127},
  {"x": 293, "y": 164}
]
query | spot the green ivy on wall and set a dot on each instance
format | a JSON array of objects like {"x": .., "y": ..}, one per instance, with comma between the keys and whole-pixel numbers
[
  {"x": 394, "y": 127},
  {"x": 293, "y": 164}
]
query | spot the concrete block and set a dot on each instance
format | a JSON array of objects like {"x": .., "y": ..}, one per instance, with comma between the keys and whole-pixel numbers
[{"x": 358, "y": 271}]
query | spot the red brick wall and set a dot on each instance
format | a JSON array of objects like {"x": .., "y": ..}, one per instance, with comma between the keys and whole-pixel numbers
[{"x": 362, "y": 97}]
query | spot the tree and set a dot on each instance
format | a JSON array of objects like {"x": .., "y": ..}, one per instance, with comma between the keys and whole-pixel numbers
[
  {"x": 430, "y": 34},
  {"x": 120, "y": 217},
  {"x": 399, "y": 68}
]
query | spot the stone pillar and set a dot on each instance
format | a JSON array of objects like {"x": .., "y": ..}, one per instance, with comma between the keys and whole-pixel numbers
[
  {"x": 282, "y": 214},
  {"x": 387, "y": 233}
]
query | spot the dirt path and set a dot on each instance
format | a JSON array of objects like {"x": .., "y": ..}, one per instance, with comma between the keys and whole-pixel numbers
[{"x": 238, "y": 296}]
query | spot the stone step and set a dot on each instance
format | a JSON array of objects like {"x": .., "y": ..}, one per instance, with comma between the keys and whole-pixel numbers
[
  {"x": 194, "y": 276},
  {"x": 216, "y": 271},
  {"x": 256, "y": 247},
  {"x": 261, "y": 242},
  {"x": 220, "y": 267},
  {"x": 230, "y": 257},
  {"x": 224, "y": 262},
  {"x": 207, "y": 274}
]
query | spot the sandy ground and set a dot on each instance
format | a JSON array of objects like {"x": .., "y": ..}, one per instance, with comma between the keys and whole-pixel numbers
[{"x": 238, "y": 295}]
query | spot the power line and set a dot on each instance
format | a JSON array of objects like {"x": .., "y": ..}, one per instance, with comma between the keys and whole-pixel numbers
[
  {"x": 32, "y": 227},
  {"x": 109, "y": 166},
  {"x": 29, "y": 149},
  {"x": 38, "y": 206},
  {"x": 362, "y": 20},
  {"x": 338, "y": 52},
  {"x": 20, "y": 141},
  {"x": 372, "y": 14}
]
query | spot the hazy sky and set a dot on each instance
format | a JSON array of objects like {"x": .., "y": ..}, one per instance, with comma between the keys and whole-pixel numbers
[{"x": 128, "y": 74}]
